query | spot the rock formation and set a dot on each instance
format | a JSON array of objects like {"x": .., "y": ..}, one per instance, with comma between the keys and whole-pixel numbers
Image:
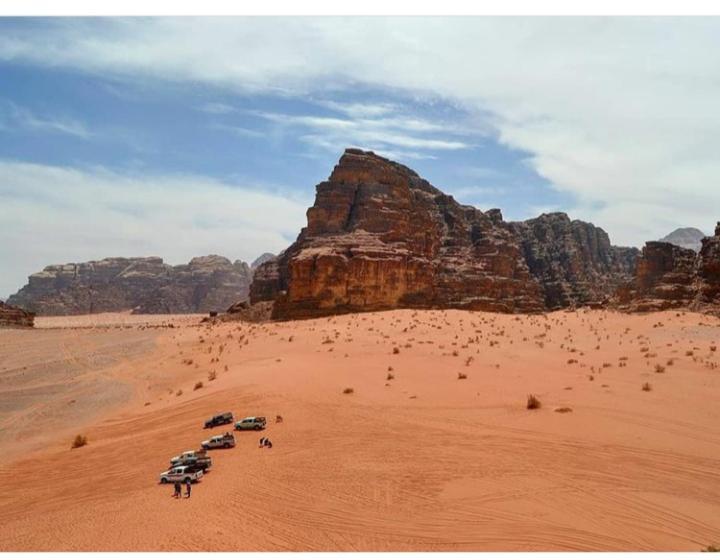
[
  {"x": 379, "y": 237},
  {"x": 11, "y": 316},
  {"x": 265, "y": 257},
  {"x": 665, "y": 279},
  {"x": 573, "y": 260},
  {"x": 708, "y": 271},
  {"x": 687, "y": 238},
  {"x": 145, "y": 285},
  {"x": 669, "y": 277}
]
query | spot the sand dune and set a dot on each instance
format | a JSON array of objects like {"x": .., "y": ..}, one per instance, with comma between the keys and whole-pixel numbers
[{"x": 415, "y": 458}]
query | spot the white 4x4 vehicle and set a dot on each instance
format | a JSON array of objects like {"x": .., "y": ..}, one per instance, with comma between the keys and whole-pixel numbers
[
  {"x": 225, "y": 440},
  {"x": 251, "y": 423},
  {"x": 181, "y": 474}
]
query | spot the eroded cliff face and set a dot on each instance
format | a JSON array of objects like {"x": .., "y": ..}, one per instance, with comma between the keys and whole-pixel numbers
[
  {"x": 145, "y": 285},
  {"x": 669, "y": 277},
  {"x": 665, "y": 279},
  {"x": 708, "y": 271},
  {"x": 573, "y": 261},
  {"x": 380, "y": 237},
  {"x": 14, "y": 317}
]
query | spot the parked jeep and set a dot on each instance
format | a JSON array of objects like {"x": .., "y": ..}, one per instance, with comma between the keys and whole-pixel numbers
[
  {"x": 225, "y": 441},
  {"x": 198, "y": 459},
  {"x": 219, "y": 420},
  {"x": 251, "y": 423},
  {"x": 180, "y": 474}
]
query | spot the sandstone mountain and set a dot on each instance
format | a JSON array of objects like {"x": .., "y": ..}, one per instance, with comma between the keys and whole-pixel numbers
[
  {"x": 379, "y": 237},
  {"x": 145, "y": 285},
  {"x": 669, "y": 277},
  {"x": 265, "y": 257},
  {"x": 573, "y": 260},
  {"x": 687, "y": 238},
  {"x": 15, "y": 317}
]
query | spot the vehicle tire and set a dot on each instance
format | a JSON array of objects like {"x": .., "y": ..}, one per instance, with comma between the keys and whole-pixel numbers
[
  {"x": 256, "y": 428},
  {"x": 163, "y": 480},
  {"x": 226, "y": 445}
]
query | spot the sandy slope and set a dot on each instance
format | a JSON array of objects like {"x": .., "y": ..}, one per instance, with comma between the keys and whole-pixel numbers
[{"x": 425, "y": 461}]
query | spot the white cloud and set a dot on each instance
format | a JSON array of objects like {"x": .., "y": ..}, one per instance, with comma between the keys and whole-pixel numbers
[
  {"x": 217, "y": 108},
  {"x": 622, "y": 113},
  {"x": 56, "y": 215}
]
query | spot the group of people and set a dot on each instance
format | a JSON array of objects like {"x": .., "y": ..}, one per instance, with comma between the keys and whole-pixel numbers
[
  {"x": 265, "y": 442},
  {"x": 178, "y": 489}
]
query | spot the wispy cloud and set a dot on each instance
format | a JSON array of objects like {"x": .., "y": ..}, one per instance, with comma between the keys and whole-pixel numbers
[
  {"x": 217, "y": 108},
  {"x": 383, "y": 134},
  {"x": 15, "y": 117}
]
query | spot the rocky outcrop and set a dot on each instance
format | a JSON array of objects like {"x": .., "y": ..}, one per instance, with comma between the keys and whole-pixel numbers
[
  {"x": 262, "y": 259},
  {"x": 665, "y": 279},
  {"x": 145, "y": 285},
  {"x": 380, "y": 237},
  {"x": 15, "y": 317},
  {"x": 708, "y": 271},
  {"x": 687, "y": 238},
  {"x": 573, "y": 261}
]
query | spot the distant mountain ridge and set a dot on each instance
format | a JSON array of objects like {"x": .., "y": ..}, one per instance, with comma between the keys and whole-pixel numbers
[
  {"x": 687, "y": 238},
  {"x": 141, "y": 284}
]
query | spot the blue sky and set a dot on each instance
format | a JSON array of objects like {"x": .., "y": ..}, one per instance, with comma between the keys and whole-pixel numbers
[{"x": 179, "y": 137}]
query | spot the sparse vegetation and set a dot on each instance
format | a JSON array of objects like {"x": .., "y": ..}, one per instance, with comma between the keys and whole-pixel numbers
[
  {"x": 390, "y": 377},
  {"x": 462, "y": 375},
  {"x": 212, "y": 376},
  {"x": 79, "y": 441},
  {"x": 646, "y": 387},
  {"x": 533, "y": 402},
  {"x": 198, "y": 385},
  {"x": 563, "y": 409},
  {"x": 659, "y": 368},
  {"x": 348, "y": 391},
  {"x": 711, "y": 548}
]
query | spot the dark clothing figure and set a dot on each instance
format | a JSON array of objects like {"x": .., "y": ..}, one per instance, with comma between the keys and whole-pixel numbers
[
  {"x": 188, "y": 487},
  {"x": 262, "y": 441},
  {"x": 268, "y": 443},
  {"x": 178, "y": 490}
]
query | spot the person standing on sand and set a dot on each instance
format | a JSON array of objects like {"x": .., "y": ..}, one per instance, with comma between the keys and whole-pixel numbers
[
  {"x": 178, "y": 489},
  {"x": 188, "y": 487}
]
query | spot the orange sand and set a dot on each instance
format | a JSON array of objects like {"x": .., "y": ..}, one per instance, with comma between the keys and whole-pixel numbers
[{"x": 425, "y": 461}]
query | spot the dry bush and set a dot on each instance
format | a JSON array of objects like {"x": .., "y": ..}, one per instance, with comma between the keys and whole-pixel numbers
[
  {"x": 462, "y": 375},
  {"x": 533, "y": 402},
  {"x": 563, "y": 409},
  {"x": 198, "y": 385},
  {"x": 348, "y": 391},
  {"x": 689, "y": 353},
  {"x": 79, "y": 441},
  {"x": 646, "y": 387},
  {"x": 390, "y": 377},
  {"x": 659, "y": 368},
  {"x": 396, "y": 350},
  {"x": 711, "y": 548},
  {"x": 212, "y": 376},
  {"x": 179, "y": 392}
]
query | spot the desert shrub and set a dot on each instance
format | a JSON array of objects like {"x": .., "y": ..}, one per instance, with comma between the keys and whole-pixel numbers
[
  {"x": 659, "y": 368},
  {"x": 646, "y": 387},
  {"x": 79, "y": 441},
  {"x": 212, "y": 376},
  {"x": 711, "y": 548},
  {"x": 396, "y": 350},
  {"x": 689, "y": 353},
  {"x": 713, "y": 348},
  {"x": 179, "y": 392},
  {"x": 390, "y": 377},
  {"x": 348, "y": 391},
  {"x": 462, "y": 375},
  {"x": 198, "y": 385},
  {"x": 533, "y": 402},
  {"x": 563, "y": 409}
]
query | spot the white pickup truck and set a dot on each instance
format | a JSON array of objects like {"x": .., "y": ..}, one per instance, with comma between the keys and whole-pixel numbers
[
  {"x": 181, "y": 474},
  {"x": 197, "y": 458},
  {"x": 225, "y": 441}
]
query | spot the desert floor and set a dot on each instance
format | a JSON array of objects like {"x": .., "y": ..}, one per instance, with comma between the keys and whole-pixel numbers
[{"x": 415, "y": 458}]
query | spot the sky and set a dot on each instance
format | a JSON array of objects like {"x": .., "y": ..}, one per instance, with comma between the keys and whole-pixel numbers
[{"x": 180, "y": 137}]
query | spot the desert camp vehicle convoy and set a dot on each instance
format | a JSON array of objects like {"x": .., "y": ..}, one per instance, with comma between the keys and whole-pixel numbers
[
  {"x": 225, "y": 441},
  {"x": 190, "y": 466}
]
